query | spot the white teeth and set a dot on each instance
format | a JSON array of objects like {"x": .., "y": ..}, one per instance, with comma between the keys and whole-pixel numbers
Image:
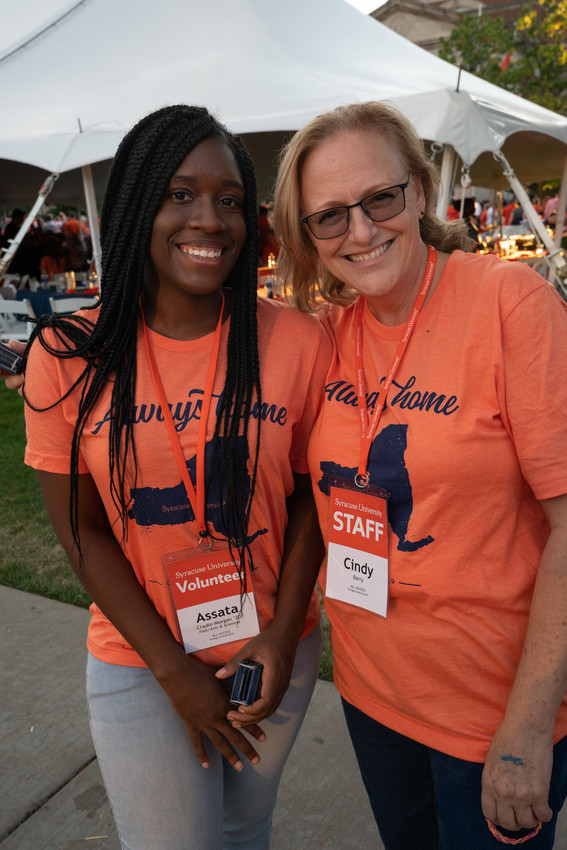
[
  {"x": 211, "y": 253},
  {"x": 360, "y": 258}
]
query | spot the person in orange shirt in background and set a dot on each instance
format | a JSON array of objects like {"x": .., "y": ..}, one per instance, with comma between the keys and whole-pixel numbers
[
  {"x": 508, "y": 211},
  {"x": 72, "y": 226},
  {"x": 450, "y": 635},
  {"x": 537, "y": 206},
  {"x": 54, "y": 259},
  {"x": 53, "y": 265},
  {"x": 267, "y": 242},
  {"x": 77, "y": 243},
  {"x": 452, "y": 211}
]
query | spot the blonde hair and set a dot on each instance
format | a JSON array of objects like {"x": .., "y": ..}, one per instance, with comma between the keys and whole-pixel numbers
[{"x": 298, "y": 262}]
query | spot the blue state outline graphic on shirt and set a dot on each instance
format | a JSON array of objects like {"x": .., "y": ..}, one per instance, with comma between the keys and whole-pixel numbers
[
  {"x": 170, "y": 506},
  {"x": 387, "y": 468}
]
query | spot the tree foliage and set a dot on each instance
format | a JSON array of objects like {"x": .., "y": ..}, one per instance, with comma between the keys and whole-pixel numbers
[{"x": 528, "y": 58}]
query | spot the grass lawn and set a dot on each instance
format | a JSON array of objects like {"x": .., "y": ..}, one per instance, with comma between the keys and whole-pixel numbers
[{"x": 31, "y": 558}]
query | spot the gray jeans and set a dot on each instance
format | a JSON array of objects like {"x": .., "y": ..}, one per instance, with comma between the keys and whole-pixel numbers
[{"x": 161, "y": 796}]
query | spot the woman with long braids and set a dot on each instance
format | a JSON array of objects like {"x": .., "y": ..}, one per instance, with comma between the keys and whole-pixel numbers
[{"x": 169, "y": 426}]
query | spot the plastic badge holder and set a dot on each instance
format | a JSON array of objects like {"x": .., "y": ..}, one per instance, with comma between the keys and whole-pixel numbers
[
  {"x": 10, "y": 360},
  {"x": 246, "y": 683}
]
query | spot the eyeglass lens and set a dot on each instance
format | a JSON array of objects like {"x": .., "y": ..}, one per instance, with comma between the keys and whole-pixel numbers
[{"x": 379, "y": 206}]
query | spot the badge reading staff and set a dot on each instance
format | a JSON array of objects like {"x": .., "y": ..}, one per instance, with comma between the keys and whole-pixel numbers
[{"x": 357, "y": 560}]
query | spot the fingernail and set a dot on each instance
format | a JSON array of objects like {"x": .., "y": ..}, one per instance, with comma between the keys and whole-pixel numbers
[
  {"x": 238, "y": 765},
  {"x": 221, "y": 672},
  {"x": 256, "y": 759},
  {"x": 205, "y": 763}
]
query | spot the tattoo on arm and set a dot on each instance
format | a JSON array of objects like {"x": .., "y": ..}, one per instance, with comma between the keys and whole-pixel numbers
[{"x": 513, "y": 759}]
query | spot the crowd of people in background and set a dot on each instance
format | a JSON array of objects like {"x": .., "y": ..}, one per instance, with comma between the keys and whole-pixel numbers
[
  {"x": 483, "y": 217},
  {"x": 53, "y": 245},
  {"x": 60, "y": 242},
  {"x": 267, "y": 241}
]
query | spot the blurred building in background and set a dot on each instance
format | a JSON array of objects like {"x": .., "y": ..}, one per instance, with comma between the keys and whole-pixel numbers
[{"x": 426, "y": 21}]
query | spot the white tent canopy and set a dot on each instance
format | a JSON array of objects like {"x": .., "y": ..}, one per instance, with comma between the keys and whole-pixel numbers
[
  {"x": 19, "y": 185},
  {"x": 258, "y": 64},
  {"x": 476, "y": 124},
  {"x": 72, "y": 89}
]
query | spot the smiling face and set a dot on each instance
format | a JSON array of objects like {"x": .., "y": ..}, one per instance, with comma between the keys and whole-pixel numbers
[
  {"x": 200, "y": 229},
  {"x": 384, "y": 261}
]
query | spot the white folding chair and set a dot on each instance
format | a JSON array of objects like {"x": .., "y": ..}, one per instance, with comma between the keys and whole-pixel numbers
[
  {"x": 70, "y": 305},
  {"x": 14, "y": 279},
  {"x": 8, "y": 291},
  {"x": 11, "y": 324}
]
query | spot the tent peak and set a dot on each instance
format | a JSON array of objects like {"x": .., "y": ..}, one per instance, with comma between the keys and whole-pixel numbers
[{"x": 38, "y": 31}]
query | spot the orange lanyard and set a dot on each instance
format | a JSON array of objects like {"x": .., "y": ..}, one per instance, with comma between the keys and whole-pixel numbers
[
  {"x": 367, "y": 431},
  {"x": 195, "y": 493}
]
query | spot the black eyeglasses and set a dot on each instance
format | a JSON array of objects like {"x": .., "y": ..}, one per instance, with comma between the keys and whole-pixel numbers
[{"x": 379, "y": 206}]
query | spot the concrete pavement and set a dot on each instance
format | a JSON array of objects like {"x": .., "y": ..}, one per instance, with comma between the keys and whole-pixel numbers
[{"x": 50, "y": 785}]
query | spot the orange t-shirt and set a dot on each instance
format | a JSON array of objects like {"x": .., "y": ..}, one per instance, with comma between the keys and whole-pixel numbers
[
  {"x": 72, "y": 227},
  {"x": 294, "y": 356},
  {"x": 53, "y": 265},
  {"x": 471, "y": 438}
]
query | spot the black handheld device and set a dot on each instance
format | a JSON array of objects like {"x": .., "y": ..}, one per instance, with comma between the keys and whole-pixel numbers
[
  {"x": 10, "y": 360},
  {"x": 246, "y": 683}
]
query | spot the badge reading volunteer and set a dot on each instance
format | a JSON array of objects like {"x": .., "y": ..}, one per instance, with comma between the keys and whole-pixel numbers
[
  {"x": 205, "y": 591},
  {"x": 357, "y": 554}
]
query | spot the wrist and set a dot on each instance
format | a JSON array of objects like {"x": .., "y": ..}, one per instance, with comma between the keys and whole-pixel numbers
[
  {"x": 286, "y": 637},
  {"x": 289, "y": 619},
  {"x": 169, "y": 665},
  {"x": 535, "y": 725}
]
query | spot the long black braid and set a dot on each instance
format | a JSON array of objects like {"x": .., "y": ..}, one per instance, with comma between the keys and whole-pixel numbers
[{"x": 144, "y": 163}]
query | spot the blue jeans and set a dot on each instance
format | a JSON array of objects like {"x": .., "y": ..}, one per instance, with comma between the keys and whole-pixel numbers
[
  {"x": 161, "y": 796},
  {"x": 423, "y": 799}
]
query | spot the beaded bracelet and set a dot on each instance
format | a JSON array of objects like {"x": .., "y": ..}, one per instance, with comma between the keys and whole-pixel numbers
[{"x": 499, "y": 837}]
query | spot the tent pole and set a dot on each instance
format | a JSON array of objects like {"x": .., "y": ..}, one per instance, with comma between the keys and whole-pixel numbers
[
  {"x": 92, "y": 213},
  {"x": 465, "y": 184},
  {"x": 447, "y": 164},
  {"x": 8, "y": 254},
  {"x": 561, "y": 207},
  {"x": 555, "y": 258}
]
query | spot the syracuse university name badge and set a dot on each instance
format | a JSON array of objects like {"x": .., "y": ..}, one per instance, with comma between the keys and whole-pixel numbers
[
  {"x": 205, "y": 591},
  {"x": 357, "y": 554}
]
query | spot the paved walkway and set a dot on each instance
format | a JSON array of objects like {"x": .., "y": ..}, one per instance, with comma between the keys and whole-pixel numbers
[{"x": 50, "y": 786}]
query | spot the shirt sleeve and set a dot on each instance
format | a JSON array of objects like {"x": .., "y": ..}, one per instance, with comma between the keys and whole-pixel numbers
[
  {"x": 50, "y": 419},
  {"x": 534, "y": 339},
  {"x": 316, "y": 373}
]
